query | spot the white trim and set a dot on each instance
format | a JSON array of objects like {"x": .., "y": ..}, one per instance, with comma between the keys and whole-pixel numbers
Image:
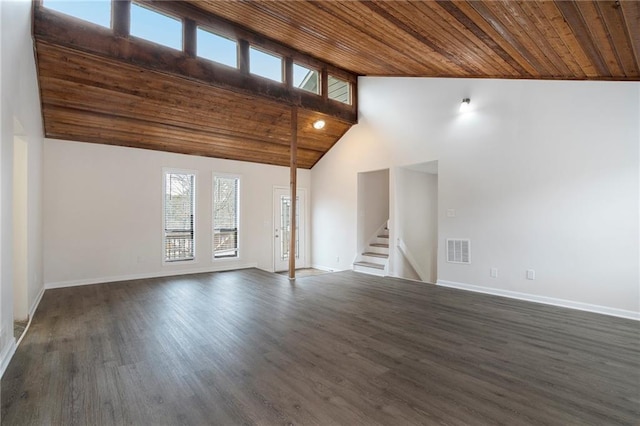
[
  {"x": 412, "y": 260},
  {"x": 10, "y": 349},
  {"x": 410, "y": 279},
  {"x": 605, "y": 310},
  {"x": 32, "y": 311},
  {"x": 327, "y": 269},
  {"x": 34, "y": 305},
  {"x": 7, "y": 354},
  {"x": 90, "y": 281},
  {"x": 169, "y": 170},
  {"x": 239, "y": 209},
  {"x": 306, "y": 229}
]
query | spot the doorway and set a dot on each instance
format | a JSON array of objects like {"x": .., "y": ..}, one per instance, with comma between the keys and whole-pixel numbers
[
  {"x": 282, "y": 235},
  {"x": 416, "y": 222}
]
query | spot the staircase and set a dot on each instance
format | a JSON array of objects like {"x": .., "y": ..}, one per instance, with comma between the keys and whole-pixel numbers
[{"x": 375, "y": 258}]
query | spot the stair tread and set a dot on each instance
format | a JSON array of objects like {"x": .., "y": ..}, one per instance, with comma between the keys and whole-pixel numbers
[
  {"x": 379, "y": 245},
  {"x": 369, "y": 253},
  {"x": 369, "y": 265}
]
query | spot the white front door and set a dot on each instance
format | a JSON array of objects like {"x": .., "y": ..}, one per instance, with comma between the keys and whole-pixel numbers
[{"x": 281, "y": 214}]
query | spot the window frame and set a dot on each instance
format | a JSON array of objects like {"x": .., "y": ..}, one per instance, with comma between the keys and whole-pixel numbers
[
  {"x": 164, "y": 13},
  {"x": 270, "y": 53},
  {"x": 166, "y": 171},
  {"x": 238, "y": 216},
  {"x": 79, "y": 19},
  {"x": 349, "y": 85},
  {"x": 310, "y": 68},
  {"x": 221, "y": 35}
]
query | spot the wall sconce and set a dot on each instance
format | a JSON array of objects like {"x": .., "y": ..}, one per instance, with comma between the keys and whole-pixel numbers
[{"x": 464, "y": 106}]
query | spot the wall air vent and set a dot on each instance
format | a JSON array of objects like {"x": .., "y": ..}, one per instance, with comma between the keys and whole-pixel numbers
[{"x": 458, "y": 251}]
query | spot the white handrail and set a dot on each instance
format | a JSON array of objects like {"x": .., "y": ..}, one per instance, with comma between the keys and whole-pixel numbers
[{"x": 412, "y": 261}]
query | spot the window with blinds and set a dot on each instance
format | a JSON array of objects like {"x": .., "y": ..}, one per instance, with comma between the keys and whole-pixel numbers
[
  {"x": 179, "y": 216},
  {"x": 226, "y": 201}
]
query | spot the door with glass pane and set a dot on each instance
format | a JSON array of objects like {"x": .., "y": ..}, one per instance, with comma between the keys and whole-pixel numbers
[{"x": 282, "y": 234}]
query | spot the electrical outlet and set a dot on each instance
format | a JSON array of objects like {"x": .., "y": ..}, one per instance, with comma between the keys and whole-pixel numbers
[
  {"x": 338, "y": 259},
  {"x": 531, "y": 274},
  {"x": 493, "y": 272},
  {"x": 451, "y": 212}
]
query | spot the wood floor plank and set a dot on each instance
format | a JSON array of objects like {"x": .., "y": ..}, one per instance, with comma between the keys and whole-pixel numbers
[{"x": 250, "y": 347}]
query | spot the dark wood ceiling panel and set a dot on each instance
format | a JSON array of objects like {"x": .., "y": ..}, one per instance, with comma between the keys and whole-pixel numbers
[
  {"x": 85, "y": 126},
  {"x": 531, "y": 34},
  {"x": 569, "y": 36},
  {"x": 552, "y": 27},
  {"x": 561, "y": 39},
  {"x": 316, "y": 28},
  {"x": 458, "y": 37},
  {"x": 611, "y": 14},
  {"x": 95, "y": 99},
  {"x": 101, "y": 85},
  {"x": 631, "y": 15},
  {"x": 590, "y": 12},
  {"x": 437, "y": 54},
  {"x": 498, "y": 46}
]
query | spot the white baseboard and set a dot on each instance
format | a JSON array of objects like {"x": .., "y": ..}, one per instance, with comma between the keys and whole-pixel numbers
[
  {"x": 10, "y": 349},
  {"x": 410, "y": 279},
  {"x": 102, "y": 280},
  {"x": 326, "y": 268},
  {"x": 7, "y": 354},
  {"x": 34, "y": 305},
  {"x": 543, "y": 299}
]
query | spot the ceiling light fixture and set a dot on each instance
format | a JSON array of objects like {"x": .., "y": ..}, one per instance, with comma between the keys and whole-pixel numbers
[
  {"x": 464, "y": 106},
  {"x": 318, "y": 124}
]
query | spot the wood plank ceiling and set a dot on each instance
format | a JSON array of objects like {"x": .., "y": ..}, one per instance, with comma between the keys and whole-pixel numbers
[
  {"x": 94, "y": 89},
  {"x": 495, "y": 39}
]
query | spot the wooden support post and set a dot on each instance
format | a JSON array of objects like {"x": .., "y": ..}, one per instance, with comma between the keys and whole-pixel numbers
[
  {"x": 288, "y": 72},
  {"x": 243, "y": 57},
  {"x": 189, "y": 37},
  {"x": 121, "y": 17},
  {"x": 324, "y": 83},
  {"x": 293, "y": 170}
]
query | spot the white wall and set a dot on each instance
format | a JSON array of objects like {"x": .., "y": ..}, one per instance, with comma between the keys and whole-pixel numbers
[
  {"x": 416, "y": 225},
  {"x": 20, "y": 116},
  {"x": 20, "y": 229},
  {"x": 373, "y": 205},
  {"x": 103, "y": 212},
  {"x": 542, "y": 175}
]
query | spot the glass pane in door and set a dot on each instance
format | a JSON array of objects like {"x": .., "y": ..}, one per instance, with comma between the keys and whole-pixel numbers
[{"x": 285, "y": 234}]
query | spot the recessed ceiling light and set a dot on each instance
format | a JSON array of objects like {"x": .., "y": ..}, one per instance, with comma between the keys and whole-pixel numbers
[{"x": 318, "y": 124}]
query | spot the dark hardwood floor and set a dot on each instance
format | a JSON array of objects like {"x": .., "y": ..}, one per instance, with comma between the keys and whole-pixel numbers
[{"x": 249, "y": 347}]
